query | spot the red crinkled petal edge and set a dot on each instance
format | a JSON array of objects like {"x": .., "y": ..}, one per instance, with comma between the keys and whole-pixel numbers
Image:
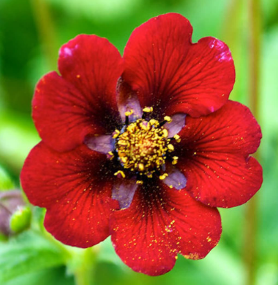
[
  {"x": 160, "y": 223},
  {"x": 214, "y": 156},
  {"x": 83, "y": 99},
  {"x": 173, "y": 75},
  {"x": 75, "y": 187}
]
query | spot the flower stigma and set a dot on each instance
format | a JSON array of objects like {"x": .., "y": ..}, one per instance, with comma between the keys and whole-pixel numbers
[{"x": 143, "y": 146}]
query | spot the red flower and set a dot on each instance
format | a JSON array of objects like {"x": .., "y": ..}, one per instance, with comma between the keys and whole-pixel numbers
[{"x": 152, "y": 177}]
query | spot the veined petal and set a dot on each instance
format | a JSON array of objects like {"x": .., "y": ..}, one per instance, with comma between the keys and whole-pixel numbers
[
  {"x": 159, "y": 224},
  {"x": 173, "y": 75},
  {"x": 83, "y": 99},
  {"x": 75, "y": 187},
  {"x": 214, "y": 156}
]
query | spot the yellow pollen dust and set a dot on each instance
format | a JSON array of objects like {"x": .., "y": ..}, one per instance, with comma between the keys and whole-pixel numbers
[{"x": 143, "y": 146}]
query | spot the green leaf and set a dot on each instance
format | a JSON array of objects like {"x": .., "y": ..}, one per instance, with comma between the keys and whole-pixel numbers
[
  {"x": 27, "y": 253},
  {"x": 53, "y": 276}
]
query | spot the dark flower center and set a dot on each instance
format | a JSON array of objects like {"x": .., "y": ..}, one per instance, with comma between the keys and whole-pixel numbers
[{"x": 143, "y": 146}]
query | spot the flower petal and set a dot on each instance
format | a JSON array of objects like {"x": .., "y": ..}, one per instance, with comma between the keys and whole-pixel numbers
[
  {"x": 76, "y": 190},
  {"x": 127, "y": 100},
  {"x": 214, "y": 156},
  {"x": 123, "y": 191},
  {"x": 103, "y": 144},
  {"x": 173, "y": 75},
  {"x": 159, "y": 224},
  {"x": 83, "y": 100},
  {"x": 175, "y": 126},
  {"x": 175, "y": 179}
]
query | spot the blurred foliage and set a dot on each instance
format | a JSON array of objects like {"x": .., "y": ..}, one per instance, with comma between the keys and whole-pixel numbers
[
  {"x": 6, "y": 182},
  {"x": 27, "y": 253},
  {"x": 31, "y": 33}
]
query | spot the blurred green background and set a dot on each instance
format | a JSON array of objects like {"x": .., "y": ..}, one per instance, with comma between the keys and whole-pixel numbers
[{"x": 31, "y": 33}]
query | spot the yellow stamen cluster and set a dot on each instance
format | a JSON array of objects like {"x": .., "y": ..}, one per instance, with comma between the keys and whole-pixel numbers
[{"x": 142, "y": 147}]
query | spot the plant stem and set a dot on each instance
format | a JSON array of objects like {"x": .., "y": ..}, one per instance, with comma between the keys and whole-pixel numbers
[
  {"x": 231, "y": 34},
  {"x": 255, "y": 51},
  {"x": 46, "y": 31},
  {"x": 84, "y": 269},
  {"x": 250, "y": 254}
]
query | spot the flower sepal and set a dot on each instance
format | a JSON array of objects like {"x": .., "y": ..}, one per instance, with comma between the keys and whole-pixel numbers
[{"x": 21, "y": 219}]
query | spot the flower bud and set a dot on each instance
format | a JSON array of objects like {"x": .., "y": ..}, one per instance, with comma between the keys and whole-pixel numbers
[
  {"x": 15, "y": 216},
  {"x": 20, "y": 220}
]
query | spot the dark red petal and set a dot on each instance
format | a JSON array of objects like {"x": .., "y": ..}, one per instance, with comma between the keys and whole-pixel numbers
[
  {"x": 83, "y": 100},
  {"x": 76, "y": 191},
  {"x": 174, "y": 75},
  {"x": 61, "y": 115},
  {"x": 94, "y": 66},
  {"x": 160, "y": 223},
  {"x": 214, "y": 156}
]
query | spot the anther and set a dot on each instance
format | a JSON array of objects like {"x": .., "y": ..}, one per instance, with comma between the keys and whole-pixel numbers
[
  {"x": 124, "y": 159},
  {"x": 115, "y": 134},
  {"x": 145, "y": 125},
  {"x": 167, "y": 119},
  {"x": 163, "y": 176},
  {"x": 170, "y": 147},
  {"x": 110, "y": 155},
  {"x": 148, "y": 109},
  {"x": 128, "y": 113},
  {"x": 141, "y": 167},
  {"x": 175, "y": 160},
  {"x": 119, "y": 174},
  {"x": 139, "y": 182},
  {"x": 154, "y": 122},
  {"x": 165, "y": 133},
  {"x": 177, "y": 138}
]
